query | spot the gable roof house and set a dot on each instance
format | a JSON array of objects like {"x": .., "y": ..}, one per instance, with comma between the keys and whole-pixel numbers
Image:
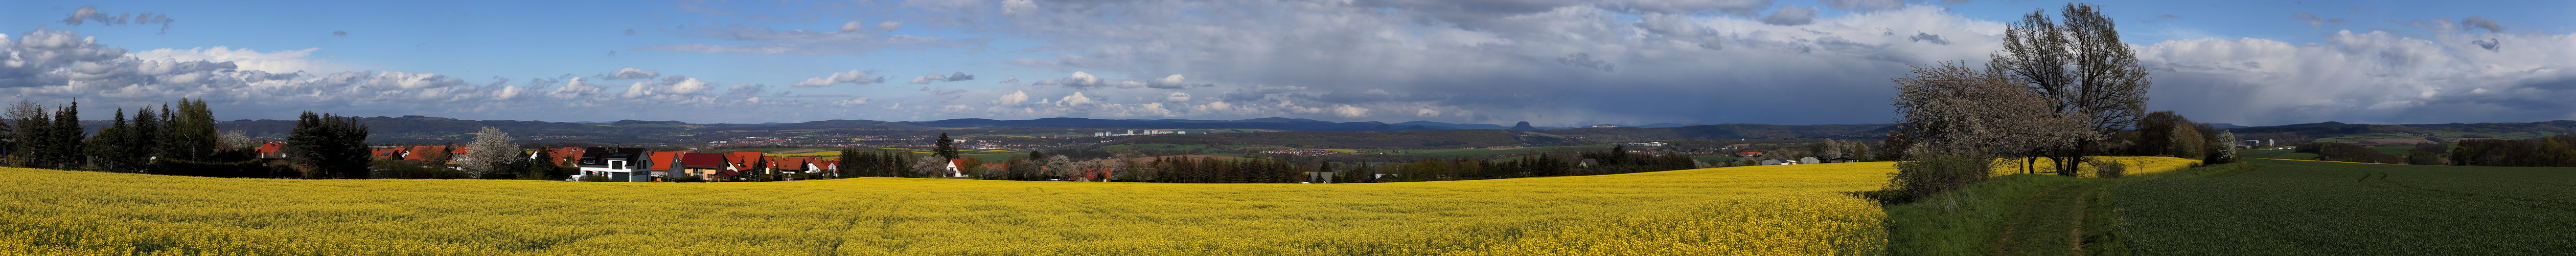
[
  {"x": 953, "y": 170},
  {"x": 426, "y": 154},
  {"x": 564, "y": 156},
  {"x": 387, "y": 154},
  {"x": 272, "y": 150},
  {"x": 705, "y": 165},
  {"x": 747, "y": 162},
  {"x": 621, "y": 164},
  {"x": 783, "y": 164},
  {"x": 1092, "y": 174},
  {"x": 666, "y": 165},
  {"x": 830, "y": 167}
]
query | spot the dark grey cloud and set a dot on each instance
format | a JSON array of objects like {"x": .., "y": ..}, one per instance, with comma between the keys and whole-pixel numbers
[
  {"x": 1584, "y": 60},
  {"x": 1867, "y": 5},
  {"x": 340, "y": 32},
  {"x": 86, "y": 14},
  {"x": 960, "y": 76},
  {"x": 1928, "y": 38},
  {"x": 2489, "y": 44},
  {"x": 2376, "y": 77},
  {"x": 1791, "y": 16},
  {"x": 2445, "y": 25},
  {"x": 2473, "y": 21}
]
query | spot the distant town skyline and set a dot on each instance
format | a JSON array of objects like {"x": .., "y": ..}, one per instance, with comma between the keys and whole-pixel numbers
[{"x": 1551, "y": 63}]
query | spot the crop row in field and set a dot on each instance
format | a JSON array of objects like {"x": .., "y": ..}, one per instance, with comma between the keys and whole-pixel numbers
[
  {"x": 2335, "y": 208},
  {"x": 1766, "y": 210}
]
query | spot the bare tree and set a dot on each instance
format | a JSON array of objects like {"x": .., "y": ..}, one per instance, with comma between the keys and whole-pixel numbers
[
  {"x": 1954, "y": 109},
  {"x": 930, "y": 166},
  {"x": 1829, "y": 149},
  {"x": 1060, "y": 166},
  {"x": 2086, "y": 74},
  {"x": 236, "y": 139},
  {"x": 490, "y": 150}
]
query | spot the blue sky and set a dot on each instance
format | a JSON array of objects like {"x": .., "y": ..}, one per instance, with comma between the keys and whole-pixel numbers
[{"x": 1547, "y": 62}]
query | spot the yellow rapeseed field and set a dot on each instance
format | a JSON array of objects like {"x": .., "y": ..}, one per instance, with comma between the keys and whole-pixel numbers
[
  {"x": 2137, "y": 165},
  {"x": 1757, "y": 210}
]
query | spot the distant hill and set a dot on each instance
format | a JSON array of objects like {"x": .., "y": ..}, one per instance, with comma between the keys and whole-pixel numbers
[{"x": 440, "y": 130}]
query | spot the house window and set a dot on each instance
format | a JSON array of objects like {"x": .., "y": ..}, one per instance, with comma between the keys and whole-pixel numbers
[{"x": 616, "y": 165}]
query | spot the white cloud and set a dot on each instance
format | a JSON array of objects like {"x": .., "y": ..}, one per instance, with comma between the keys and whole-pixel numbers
[
  {"x": 889, "y": 26},
  {"x": 1078, "y": 80},
  {"x": 1171, "y": 82},
  {"x": 850, "y": 102},
  {"x": 1016, "y": 7},
  {"x": 1075, "y": 100},
  {"x": 853, "y": 26},
  {"x": 1349, "y": 111},
  {"x": 852, "y": 77},
  {"x": 1177, "y": 97},
  {"x": 632, "y": 73},
  {"x": 288, "y": 61},
  {"x": 1015, "y": 98},
  {"x": 932, "y": 77},
  {"x": 1010, "y": 80}
]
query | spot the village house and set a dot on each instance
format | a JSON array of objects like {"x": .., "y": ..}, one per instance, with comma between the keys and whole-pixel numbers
[
  {"x": 953, "y": 170},
  {"x": 387, "y": 153},
  {"x": 666, "y": 165},
  {"x": 426, "y": 154},
  {"x": 706, "y": 165},
  {"x": 271, "y": 150},
  {"x": 619, "y": 164},
  {"x": 747, "y": 162}
]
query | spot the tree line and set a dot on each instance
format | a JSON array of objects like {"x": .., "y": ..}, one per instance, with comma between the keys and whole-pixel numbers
[{"x": 177, "y": 139}]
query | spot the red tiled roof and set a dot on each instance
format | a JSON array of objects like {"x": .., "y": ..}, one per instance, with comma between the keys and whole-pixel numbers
[
  {"x": 745, "y": 160},
  {"x": 271, "y": 148},
  {"x": 565, "y": 156},
  {"x": 422, "y": 153},
  {"x": 703, "y": 160},
  {"x": 386, "y": 154},
  {"x": 786, "y": 163},
  {"x": 662, "y": 160}
]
